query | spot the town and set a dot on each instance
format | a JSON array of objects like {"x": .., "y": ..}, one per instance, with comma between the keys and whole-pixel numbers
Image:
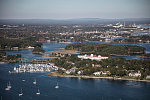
[{"x": 121, "y": 31}]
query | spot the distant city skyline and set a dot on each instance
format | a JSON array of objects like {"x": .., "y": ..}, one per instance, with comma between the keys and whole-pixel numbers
[{"x": 69, "y": 9}]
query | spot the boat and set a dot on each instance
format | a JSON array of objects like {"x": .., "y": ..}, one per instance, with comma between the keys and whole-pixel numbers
[
  {"x": 38, "y": 93},
  {"x": 7, "y": 89},
  {"x": 9, "y": 85},
  {"x": 9, "y": 72},
  {"x": 34, "y": 81},
  {"x": 20, "y": 94},
  {"x": 57, "y": 86}
]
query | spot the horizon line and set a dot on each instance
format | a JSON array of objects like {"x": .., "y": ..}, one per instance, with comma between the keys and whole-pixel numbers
[{"x": 67, "y": 18}]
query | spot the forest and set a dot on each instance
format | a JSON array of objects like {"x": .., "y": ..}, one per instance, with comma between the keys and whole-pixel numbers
[
  {"x": 106, "y": 49},
  {"x": 8, "y": 44}
]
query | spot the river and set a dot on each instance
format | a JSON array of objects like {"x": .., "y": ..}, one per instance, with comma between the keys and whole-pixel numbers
[{"x": 69, "y": 88}]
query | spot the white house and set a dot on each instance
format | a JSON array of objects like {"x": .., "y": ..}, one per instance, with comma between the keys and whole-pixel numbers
[
  {"x": 79, "y": 72},
  {"x": 30, "y": 47},
  {"x": 92, "y": 57},
  {"x": 97, "y": 73},
  {"x": 72, "y": 70},
  {"x": 68, "y": 72},
  {"x": 135, "y": 74},
  {"x": 62, "y": 69},
  {"x": 101, "y": 73},
  {"x": 148, "y": 77}
]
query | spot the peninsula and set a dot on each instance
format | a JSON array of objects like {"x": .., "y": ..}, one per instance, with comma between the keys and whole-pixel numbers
[{"x": 72, "y": 65}]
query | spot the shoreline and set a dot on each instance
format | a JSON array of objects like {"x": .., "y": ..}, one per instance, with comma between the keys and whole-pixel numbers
[
  {"x": 95, "y": 77},
  {"x": 62, "y": 52}
]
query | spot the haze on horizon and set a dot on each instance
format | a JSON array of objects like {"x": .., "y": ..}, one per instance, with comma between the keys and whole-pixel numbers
[{"x": 68, "y": 9}]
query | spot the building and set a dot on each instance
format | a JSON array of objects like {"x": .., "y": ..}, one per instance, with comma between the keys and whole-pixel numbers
[
  {"x": 92, "y": 57},
  {"x": 101, "y": 73},
  {"x": 15, "y": 48},
  {"x": 97, "y": 73},
  {"x": 80, "y": 72},
  {"x": 135, "y": 74},
  {"x": 30, "y": 47},
  {"x": 70, "y": 71},
  {"x": 148, "y": 77}
]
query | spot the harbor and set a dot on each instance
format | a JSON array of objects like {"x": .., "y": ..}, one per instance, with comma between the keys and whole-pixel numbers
[
  {"x": 35, "y": 85},
  {"x": 31, "y": 68}
]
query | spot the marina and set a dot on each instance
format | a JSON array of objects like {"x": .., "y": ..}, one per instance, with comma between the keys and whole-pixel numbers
[{"x": 34, "y": 68}]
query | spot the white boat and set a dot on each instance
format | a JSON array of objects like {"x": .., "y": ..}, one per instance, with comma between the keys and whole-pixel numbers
[
  {"x": 57, "y": 86},
  {"x": 38, "y": 93},
  {"x": 20, "y": 94},
  {"x": 7, "y": 89},
  {"x": 9, "y": 72},
  {"x": 34, "y": 81},
  {"x": 9, "y": 85}
]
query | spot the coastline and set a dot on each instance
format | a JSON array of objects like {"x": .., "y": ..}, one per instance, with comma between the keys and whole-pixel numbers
[{"x": 94, "y": 77}]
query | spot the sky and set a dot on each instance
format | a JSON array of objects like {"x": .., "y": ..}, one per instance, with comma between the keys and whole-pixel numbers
[{"x": 69, "y": 9}]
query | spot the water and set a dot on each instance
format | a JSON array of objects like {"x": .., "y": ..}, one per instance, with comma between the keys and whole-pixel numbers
[
  {"x": 145, "y": 26},
  {"x": 69, "y": 88}
]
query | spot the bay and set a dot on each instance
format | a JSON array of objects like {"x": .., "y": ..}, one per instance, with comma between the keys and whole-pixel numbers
[{"x": 69, "y": 88}]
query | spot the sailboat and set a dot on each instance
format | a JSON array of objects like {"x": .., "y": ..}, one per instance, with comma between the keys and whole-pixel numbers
[
  {"x": 34, "y": 81},
  {"x": 20, "y": 94},
  {"x": 38, "y": 93},
  {"x": 9, "y": 85},
  {"x": 7, "y": 89},
  {"x": 57, "y": 86}
]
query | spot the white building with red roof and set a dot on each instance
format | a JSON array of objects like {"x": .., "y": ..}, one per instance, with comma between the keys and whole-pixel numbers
[{"x": 92, "y": 57}]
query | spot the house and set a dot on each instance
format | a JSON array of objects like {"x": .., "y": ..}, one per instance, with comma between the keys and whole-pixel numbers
[
  {"x": 30, "y": 47},
  {"x": 15, "y": 48},
  {"x": 80, "y": 72},
  {"x": 97, "y": 73},
  {"x": 101, "y": 73},
  {"x": 148, "y": 77},
  {"x": 68, "y": 72},
  {"x": 97, "y": 65},
  {"x": 135, "y": 74},
  {"x": 72, "y": 70},
  {"x": 62, "y": 69},
  {"x": 92, "y": 57}
]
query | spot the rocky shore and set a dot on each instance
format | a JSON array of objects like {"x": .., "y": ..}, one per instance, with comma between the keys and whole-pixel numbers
[{"x": 94, "y": 77}]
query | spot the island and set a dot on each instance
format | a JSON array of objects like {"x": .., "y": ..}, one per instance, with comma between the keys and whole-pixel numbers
[
  {"x": 106, "y": 49},
  {"x": 9, "y": 58},
  {"x": 146, "y": 56},
  {"x": 38, "y": 50},
  {"x": 134, "y": 39}
]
